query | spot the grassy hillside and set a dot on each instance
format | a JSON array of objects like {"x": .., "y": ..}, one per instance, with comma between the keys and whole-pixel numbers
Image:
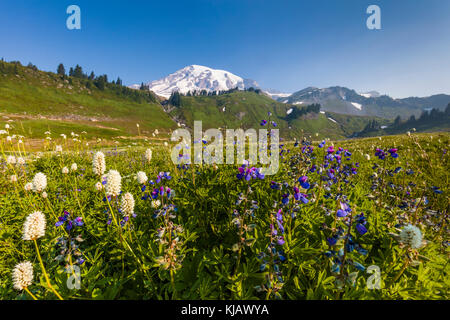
[
  {"x": 246, "y": 110},
  {"x": 44, "y": 99}
]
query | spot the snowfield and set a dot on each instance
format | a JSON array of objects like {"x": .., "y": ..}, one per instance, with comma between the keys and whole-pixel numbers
[
  {"x": 357, "y": 105},
  {"x": 332, "y": 120}
]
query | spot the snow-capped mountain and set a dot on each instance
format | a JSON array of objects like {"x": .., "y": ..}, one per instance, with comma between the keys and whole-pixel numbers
[
  {"x": 198, "y": 78},
  {"x": 347, "y": 101},
  {"x": 370, "y": 94},
  {"x": 276, "y": 94}
]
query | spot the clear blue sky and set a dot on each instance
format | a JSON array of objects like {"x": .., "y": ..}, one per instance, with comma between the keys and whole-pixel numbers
[{"x": 285, "y": 45}]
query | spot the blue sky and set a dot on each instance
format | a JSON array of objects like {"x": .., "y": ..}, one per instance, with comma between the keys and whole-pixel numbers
[{"x": 285, "y": 45}]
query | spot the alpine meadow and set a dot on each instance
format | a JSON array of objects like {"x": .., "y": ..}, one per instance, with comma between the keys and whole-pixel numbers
[{"x": 335, "y": 187}]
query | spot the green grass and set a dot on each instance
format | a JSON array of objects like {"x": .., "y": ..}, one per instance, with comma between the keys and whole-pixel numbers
[{"x": 213, "y": 262}]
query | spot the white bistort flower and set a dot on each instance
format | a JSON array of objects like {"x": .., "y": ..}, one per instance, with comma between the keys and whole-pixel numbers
[
  {"x": 58, "y": 148},
  {"x": 98, "y": 163},
  {"x": 148, "y": 155},
  {"x": 411, "y": 236},
  {"x": 20, "y": 161},
  {"x": 141, "y": 177},
  {"x": 156, "y": 203},
  {"x": 113, "y": 183},
  {"x": 11, "y": 160},
  {"x": 74, "y": 167},
  {"x": 99, "y": 186},
  {"x": 39, "y": 182},
  {"x": 13, "y": 178},
  {"x": 22, "y": 275},
  {"x": 28, "y": 186},
  {"x": 44, "y": 195},
  {"x": 34, "y": 226},
  {"x": 127, "y": 204},
  {"x": 65, "y": 170}
]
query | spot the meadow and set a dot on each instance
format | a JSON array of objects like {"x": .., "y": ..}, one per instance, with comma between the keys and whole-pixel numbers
[{"x": 349, "y": 219}]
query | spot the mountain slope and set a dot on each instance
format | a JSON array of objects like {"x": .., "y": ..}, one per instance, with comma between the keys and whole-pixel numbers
[{"x": 347, "y": 101}]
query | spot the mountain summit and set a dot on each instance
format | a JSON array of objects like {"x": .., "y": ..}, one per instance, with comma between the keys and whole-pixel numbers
[{"x": 195, "y": 77}]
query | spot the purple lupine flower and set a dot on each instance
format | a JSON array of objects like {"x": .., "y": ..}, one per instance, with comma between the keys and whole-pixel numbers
[{"x": 304, "y": 182}]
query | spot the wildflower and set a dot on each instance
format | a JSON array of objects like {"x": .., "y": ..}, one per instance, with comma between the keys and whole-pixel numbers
[
  {"x": 249, "y": 173},
  {"x": 304, "y": 182},
  {"x": 99, "y": 186},
  {"x": 436, "y": 190},
  {"x": 65, "y": 219},
  {"x": 39, "y": 182},
  {"x": 20, "y": 161},
  {"x": 127, "y": 204},
  {"x": 22, "y": 275},
  {"x": 393, "y": 152},
  {"x": 74, "y": 167},
  {"x": 113, "y": 183},
  {"x": 156, "y": 204},
  {"x": 263, "y": 122},
  {"x": 360, "y": 224},
  {"x": 58, "y": 148},
  {"x": 344, "y": 210},
  {"x": 148, "y": 155},
  {"x": 65, "y": 170},
  {"x": 13, "y": 178},
  {"x": 380, "y": 154},
  {"x": 98, "y": 163},
  {"x": 367, "y": 157},
  {"x": 28, "y": 186},
  {"x": 11, "y": 160},
  {"x": 44, "y": 195},
  {"x": 141, "y": 177},
  {"x": 34, "y": 226},
  {"x": 411, "y": 236}
]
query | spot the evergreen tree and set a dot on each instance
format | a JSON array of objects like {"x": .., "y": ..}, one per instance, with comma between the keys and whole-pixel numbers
[
  {"x": 78, "y": 72},
  {"x": 61, "y": 70}
]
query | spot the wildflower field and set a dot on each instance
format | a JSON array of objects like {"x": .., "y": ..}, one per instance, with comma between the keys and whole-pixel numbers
[{"x": 354, "y": 219}]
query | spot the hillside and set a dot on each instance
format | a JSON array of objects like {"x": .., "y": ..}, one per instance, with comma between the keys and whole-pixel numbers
[
  {"x": 44, "y": 100},
  {"x": 246, "y": 109}
]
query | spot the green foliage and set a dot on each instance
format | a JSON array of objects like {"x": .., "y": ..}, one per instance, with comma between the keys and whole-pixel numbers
[{"x": 215, "y": 259}]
